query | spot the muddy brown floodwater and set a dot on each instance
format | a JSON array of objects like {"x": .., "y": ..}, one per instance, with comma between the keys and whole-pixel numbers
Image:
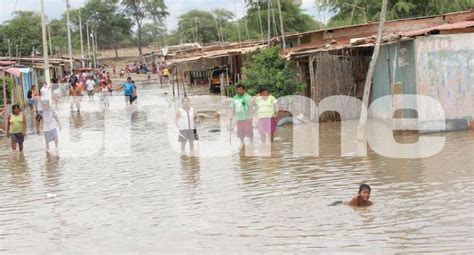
[{"x": 155, "y": 200}]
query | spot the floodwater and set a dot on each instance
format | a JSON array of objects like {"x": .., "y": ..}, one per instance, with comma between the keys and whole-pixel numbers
[{"x": 155, "y": 200}]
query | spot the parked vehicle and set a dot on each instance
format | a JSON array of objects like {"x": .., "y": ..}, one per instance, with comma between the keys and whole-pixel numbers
[{"x": 218, "y": 77}]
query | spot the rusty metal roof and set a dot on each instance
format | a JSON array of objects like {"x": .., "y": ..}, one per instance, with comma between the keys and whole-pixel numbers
[
  {"x": 369, "y": 41},
  {"x": 425, "y": 31}
]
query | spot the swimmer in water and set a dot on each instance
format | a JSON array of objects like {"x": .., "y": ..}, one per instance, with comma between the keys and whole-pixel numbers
[{"x": 361, "y": 200}]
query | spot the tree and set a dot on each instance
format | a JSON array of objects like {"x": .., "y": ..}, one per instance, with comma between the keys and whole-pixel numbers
[
  {"x": 348, "y": 12},
  {"x": 24, "y": 31},
  {"x": 202, "y": 26},
  {"x": 139, "y": 9},
  {"x": 153, "y": 34},
  {"x": 114, "y": 28},
  {"x": 294, "y": 20},
  {"x": 9, "y": 83},
  {"x": 267, "y": 70}
]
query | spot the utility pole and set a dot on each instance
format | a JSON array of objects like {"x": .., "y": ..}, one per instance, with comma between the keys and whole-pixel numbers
[
  {"x": 269, "y": 22},
  {"x": 222, "y": 32},
  {"x": 9, "y": 49},
  {"x": 274, "y": 20},
  {"x": 45, "y": 48},
  {"x": 281, "y": 25},
  {"x": 196, "y": 22},
  {"x": 49, "y": 36},
  {"x": 69, "y": 36},
  {"x": 80, "y": 32},
  {"x": 238, "y": 26},
  {"x": 370, "y": 73},
  {"x": 88, "y": 44},
  {"x": 33, "y": 54},
  {"x": 218, "y": 32},
  {"x": 245, "y": 19},
  {"x": 93, "y": 48},
  {"x": 96, "y": 48},
  {"x": 260, "y": 20}
]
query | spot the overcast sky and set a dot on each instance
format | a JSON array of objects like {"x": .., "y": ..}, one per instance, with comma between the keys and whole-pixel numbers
[{"x": 54, "y": 8}]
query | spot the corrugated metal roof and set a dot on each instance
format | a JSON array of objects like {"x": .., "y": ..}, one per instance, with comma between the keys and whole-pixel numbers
[
  {"x": 7, "y": 63},
  {"x": 454, "y": 14},
  {"x": 458, "y": 25},
  {"x": 218, "y": 54},
  {"x": 370, "y": 40}
]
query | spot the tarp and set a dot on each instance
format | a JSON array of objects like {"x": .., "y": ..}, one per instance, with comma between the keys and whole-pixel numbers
[
  {"x": 6, "y": 63},
  {"x": 18, "y": 71}
]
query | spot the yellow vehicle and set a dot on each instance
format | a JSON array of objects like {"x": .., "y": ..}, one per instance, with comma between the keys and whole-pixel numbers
[{"x": 218, "y": 76}]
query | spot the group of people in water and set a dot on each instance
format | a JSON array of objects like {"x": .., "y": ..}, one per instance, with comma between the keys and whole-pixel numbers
[
  {"x": 243, "y": 107},
  {"x": 41, "y": 103},
  {"x": 17, "y": 125}
]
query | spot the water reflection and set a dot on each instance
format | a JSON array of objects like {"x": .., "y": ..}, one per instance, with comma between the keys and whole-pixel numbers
[
  {"x": 20, "y": 172},
  {"x": 190, "y": 170},
  {"x": 119, "y": 202},
  {"x": 53, "y": 170},
  {"x": 76, "y": 120}
]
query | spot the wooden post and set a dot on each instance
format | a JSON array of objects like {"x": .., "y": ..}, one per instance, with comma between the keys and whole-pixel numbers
[
  {"x": 269, "y": 25},
  {"x": 281, "y": 25},
  {"x": 312, "y": 89},
  {"x": 183, "y": 81},
  {"x": 175, "y": 77},
  {"x": 5, "y": 116},
  {"x": 370, "y": 74}
]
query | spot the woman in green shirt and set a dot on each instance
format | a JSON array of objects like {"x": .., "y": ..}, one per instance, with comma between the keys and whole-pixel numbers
[
  {"x": 16, "y": 127},
  {"x": 267, "y": 112}
]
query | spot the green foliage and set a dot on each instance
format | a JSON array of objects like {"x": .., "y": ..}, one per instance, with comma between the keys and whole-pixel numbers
[
  {"x": 294, "y": 20},
  {"x": 267, "y": 70},
  {"x": 397, "y": 9},
  {"x": 138, "y": 10},
  {"x": 9, "y": 82},
  {"x": 114, "y": 29},
  {"x": 24, "y": 31},
  {"x": 202, "y": 26}
]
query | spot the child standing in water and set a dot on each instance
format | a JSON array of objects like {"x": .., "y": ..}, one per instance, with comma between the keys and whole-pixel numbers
[
  {"x": 49, "y": 128},
  {"x": 187, "y": 126}
]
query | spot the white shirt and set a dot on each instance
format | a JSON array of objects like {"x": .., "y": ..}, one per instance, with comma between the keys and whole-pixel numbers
[
  {"x": 48, "y": 120},
  {"x": 44, "y": 93},
  {"x": 90, "y": 85},
  {"x": 186, "y": 119}
]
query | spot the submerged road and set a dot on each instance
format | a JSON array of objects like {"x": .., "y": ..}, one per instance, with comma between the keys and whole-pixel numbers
[{"x": 154, "y": 200}]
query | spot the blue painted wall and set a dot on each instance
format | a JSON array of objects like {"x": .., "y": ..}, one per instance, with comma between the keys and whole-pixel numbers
[{"x": 396, "y": 64}]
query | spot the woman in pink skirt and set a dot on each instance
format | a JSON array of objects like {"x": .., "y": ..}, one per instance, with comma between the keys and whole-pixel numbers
[{"x": 267, "y": 112}]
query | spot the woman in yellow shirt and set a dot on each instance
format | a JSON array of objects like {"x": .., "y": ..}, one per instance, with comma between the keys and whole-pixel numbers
[
  {"x": 16, "y": 127},
  {"x": 267, "y": 111}
]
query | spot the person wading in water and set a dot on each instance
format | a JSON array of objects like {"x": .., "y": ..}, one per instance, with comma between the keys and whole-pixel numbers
[
  {"x": 241, "y": 109},
  {"x": 186, "y": 124},
  {"x": 267, "y": 113},
  {"x": 16, "y": 127}
]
